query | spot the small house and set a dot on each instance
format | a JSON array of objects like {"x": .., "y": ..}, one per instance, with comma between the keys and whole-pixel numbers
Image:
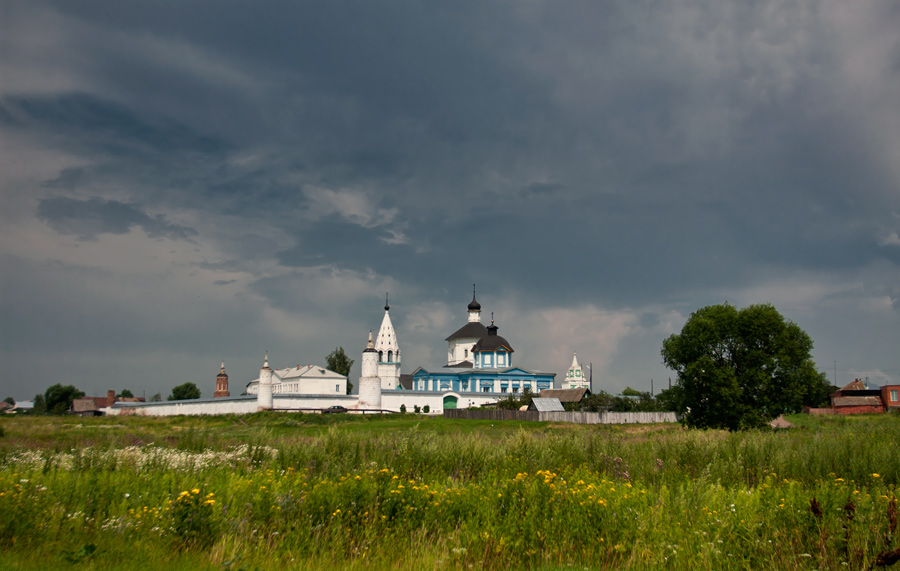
[{"x": 855, "y": 398}]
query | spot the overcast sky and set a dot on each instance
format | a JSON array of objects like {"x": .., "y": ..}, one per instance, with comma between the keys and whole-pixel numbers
[{"x": 190, "y": 182}]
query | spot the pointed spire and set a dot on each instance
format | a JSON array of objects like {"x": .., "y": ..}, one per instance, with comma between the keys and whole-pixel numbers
[
  {"x": 266, "y": 362},
  {"x": 574, "y": 360},
  {"x": 387, "y": 306},
  {"x": 370, "y": 344},
  {"x": 222, "y": 368}
]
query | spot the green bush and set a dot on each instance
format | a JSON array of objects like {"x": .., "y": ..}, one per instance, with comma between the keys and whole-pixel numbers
[{"x": 192, "y": 519}]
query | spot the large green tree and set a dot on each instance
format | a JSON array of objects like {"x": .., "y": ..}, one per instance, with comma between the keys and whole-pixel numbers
[
  {"x": 185, "y": 392},
  {"x": 740, "y": 368},
  {"x": 339, "y": 362},
  {"x": 58, "y": 398}
]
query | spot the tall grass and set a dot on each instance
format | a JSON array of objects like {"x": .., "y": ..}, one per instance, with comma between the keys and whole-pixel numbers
[{"x": 272, "y": 491}]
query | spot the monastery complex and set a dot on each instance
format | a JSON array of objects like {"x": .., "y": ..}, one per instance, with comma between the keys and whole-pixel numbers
[{"x": 479, "y": 371}]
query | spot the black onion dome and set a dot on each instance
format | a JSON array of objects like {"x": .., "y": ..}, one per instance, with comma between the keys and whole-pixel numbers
[{"x": 474, "y": 305}]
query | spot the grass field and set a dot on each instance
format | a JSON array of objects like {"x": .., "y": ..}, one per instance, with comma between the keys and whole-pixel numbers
[{"x": 275, "y": 491}]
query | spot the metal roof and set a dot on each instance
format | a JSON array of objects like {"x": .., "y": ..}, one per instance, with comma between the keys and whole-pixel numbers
[
  {"x": 471, "y": 330},
  {"x": 857, "y": 401},
  {"x": 565, "y": 395},
  {"x": 546, "y": 405}
]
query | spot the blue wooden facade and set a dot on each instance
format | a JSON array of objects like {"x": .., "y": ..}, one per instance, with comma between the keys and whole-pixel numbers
[{"x": 480, "y": 381}]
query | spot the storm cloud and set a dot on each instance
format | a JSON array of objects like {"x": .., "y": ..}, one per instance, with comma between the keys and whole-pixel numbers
[{"x": 259, "y": 179}]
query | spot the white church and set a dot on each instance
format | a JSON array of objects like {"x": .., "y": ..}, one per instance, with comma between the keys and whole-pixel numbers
[{"x": 479, "y": 371}]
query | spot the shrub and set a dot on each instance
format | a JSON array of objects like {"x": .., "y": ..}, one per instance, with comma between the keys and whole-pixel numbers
[
  {"x": 402, "y": 409},
  {"x": 426, "y": 409},
  {"x": 416, "y": 409},
  {"x": 193, "y": 522}
]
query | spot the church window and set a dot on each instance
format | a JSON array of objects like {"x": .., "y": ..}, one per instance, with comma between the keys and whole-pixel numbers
[
  {"x": 485, "y": 389},
  {"x": 381, "y": 356},
  {"x": 390, "y": 356},
  {"x": 337, "y": 388},
  {"x": 466, "y": 353},
  {"x": 515, "y": 389},
  {"x": 502, "y": 389}
]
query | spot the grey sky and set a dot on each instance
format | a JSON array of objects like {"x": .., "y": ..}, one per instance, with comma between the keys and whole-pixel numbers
[{"x": 187, "y": 182}]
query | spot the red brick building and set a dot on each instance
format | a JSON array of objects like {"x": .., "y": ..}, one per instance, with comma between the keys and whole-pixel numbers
[
  {"x": 890, "y": 396},
  {"x": 855, "y": 398}
]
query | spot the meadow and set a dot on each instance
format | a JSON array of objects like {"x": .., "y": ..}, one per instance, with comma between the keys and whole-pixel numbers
[{"x": 295, "y": 491}]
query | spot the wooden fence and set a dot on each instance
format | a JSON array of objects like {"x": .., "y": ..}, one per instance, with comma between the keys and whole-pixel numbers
[{"x": 573, "y": 417}]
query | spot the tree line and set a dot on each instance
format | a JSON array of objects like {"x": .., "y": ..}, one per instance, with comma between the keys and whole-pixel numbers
[{"x": 58, "y": 398}]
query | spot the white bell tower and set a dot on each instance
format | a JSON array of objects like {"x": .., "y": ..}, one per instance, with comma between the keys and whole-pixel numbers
[{"x": 388, "y": 349}]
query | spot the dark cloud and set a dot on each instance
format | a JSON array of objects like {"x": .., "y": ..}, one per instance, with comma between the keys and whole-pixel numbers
[
  {"x": 638, "y": 157},
  {"x": 86, "y": 219},
  {"x": 85, "y": 122},
  {"x": 69, "y": 179}
]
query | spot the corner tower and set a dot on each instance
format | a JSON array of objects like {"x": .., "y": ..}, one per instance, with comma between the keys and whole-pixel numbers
[
  {"x": 221, "y": 383},
  {"x": 264, "y": 396},
  {"x": 369, "y": 383},
  {"x": 388, "y": 349}
]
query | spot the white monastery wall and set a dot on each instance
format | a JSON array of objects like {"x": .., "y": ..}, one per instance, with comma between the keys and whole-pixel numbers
[{"x": 244, "y": 405}]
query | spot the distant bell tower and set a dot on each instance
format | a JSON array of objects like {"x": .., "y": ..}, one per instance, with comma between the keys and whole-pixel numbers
[
  {"x": 388, "y": 349},
  {"x": 221, "y": 383},
  {"x": 575, "y": 377}
]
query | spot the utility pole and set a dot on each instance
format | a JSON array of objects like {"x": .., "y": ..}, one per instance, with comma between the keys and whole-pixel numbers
[
  {"x": 651, "y": 386},
  {"x": 835, "y": 373}
]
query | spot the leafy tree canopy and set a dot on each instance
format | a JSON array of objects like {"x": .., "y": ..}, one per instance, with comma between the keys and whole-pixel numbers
[
  {"x": 340, "y": 363},
  {"x": 185, "y": 392},
  {"x": 58, "y": 398},
  {"x": 741, "y": 368},
  {"x": 126, "y": 394},
  {"x": 156, "y": 398},
  {"x": 10, "y": 400}
]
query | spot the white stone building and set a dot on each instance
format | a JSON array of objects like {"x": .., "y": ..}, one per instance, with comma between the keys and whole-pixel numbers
[{"x": 303, "y": 380}]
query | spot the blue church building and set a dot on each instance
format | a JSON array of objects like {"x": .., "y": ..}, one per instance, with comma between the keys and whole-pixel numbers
[{"x": 480, "y": 361}]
